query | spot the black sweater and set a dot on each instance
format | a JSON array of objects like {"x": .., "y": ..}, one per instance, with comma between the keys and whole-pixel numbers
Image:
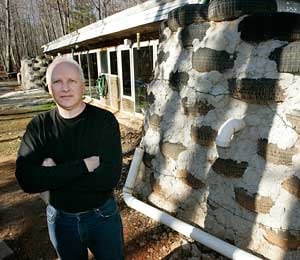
[{"x": 68, "y": 141}]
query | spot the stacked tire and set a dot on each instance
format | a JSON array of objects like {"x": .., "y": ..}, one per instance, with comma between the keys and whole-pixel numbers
[
  {"x": 33, "y": 72},
  {"x": 262, "y": 22},
  {"x": 257, "y": 21}
]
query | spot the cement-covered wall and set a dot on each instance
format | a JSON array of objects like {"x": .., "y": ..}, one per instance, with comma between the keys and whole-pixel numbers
[
  {"x": 33, "y": 72},
  {"x": 247, "y": 193}
]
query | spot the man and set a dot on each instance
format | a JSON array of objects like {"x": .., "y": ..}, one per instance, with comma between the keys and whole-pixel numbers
[{"x": 74, "y": 151}]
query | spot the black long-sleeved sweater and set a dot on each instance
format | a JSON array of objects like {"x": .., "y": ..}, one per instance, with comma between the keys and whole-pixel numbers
[{"x": 68, "y": 141}]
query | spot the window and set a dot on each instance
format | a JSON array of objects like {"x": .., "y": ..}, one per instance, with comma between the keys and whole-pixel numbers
[
  {"x": 103, "y": 59},
  {"x": 89, "y": 68},
  {"x": 143, "y": 67},
  {"x": 113, "y": 62},
  {"x": 92, "y": 58},
  {"x": 126, "y": 72},
  {"x": 83, "y": 60},
  {"x": 76, "y": 58}
]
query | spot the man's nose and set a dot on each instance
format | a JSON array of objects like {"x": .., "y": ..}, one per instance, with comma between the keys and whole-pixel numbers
[{"x": 65, "y": 86}]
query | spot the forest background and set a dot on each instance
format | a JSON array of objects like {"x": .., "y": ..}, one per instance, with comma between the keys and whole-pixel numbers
[{"x": 25, "y": 25}]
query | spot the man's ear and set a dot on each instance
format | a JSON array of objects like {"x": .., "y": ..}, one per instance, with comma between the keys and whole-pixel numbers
[{"x": 83, "y": 88}]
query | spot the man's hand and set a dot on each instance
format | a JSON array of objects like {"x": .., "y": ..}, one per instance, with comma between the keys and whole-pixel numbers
[
  {"x": 48, "y": 162},
  {"x": 92, "y": 163}
]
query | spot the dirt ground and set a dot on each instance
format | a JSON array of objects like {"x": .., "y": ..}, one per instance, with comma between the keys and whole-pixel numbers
[{"x": 23, "y": 224}]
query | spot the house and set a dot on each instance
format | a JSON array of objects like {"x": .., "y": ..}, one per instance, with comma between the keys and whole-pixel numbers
[{"x": 118, "y": 53}]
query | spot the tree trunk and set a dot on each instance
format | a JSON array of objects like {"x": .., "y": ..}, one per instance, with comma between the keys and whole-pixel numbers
[
  {"x": 50, "y": 18},
  {"x": 67, "y": 15},
  {"x": 8, "y": 38},
  {"x": 45, "y": 29},
  {"x": 61, "y": 18},
  {"x": 99, "y": 10},
  {"x": 17, "y": 44},
  {"x": 2, "y": 50}
]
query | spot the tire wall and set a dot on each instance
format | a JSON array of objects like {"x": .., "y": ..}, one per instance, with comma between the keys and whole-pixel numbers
[
  {"x": 288, "y": 6},
  {"x": 33, "y": 72},
  {"x": 248, "y": 192}
]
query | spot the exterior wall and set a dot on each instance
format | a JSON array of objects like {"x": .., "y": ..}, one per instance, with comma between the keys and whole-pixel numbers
[
  {"x": 33, "y": 72},
  {"x": 113, "y": 91},
  {"x": 127, "y": 105},
  {"x": 248, "y": 192}
]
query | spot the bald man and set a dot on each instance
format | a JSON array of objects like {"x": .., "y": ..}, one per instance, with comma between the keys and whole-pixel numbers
[{"x": 74, "y": 152}]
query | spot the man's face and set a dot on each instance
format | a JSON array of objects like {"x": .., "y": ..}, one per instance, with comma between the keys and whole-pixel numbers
[{"x": 67, "y": 87}]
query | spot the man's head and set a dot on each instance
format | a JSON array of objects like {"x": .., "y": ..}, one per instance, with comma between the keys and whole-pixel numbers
[
  {"x": 56, "y": 62},
  {"x": 66, "y": 84}
]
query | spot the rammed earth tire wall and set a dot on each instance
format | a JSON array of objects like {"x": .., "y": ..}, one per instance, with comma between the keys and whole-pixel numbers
[
  {"x": 193, "y": 31},
  {"x": 256, "y": 91},
  {"x": 271, "y": 153},
  {"x": 229, "y": 168},
  {"x": 200, "y": 108},
  {"x": 292, "y": 6},
  {"x": 186, "y": 15},
  {"x": 262, "y": 27},
  {"x": 222, "y": 10},
  {"x": 204, "y": 135},
  {"x": 294, "y": 119},
  {"x": 287, "y": 58},
  {"x": 205, "y": 60},
  {"x": 203, "y": 90}
]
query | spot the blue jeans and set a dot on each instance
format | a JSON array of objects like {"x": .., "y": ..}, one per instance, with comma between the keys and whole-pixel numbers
[{"x": 99, "y": 229}]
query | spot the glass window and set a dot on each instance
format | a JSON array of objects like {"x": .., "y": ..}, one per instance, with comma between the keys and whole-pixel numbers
[
  {"x": 76, "y": 58},
  {"x": 83, "y": 60},
  {"x": 113, "y": 62},
  {"x": 103, "y": 58},
  {"x": 90, "y": 72},
  {"x": 143, "y": 68},
  {"x": 91, "y": 82},
  {"x": 126, "y": 73},
  {"x": 93, "y": 68}
]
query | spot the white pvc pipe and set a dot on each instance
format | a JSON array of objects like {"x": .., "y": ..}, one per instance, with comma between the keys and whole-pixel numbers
[
  {"x": 133, "y": 170},
  {"x": 227, "y": 130},
  {"x": 188, "y": 230}
]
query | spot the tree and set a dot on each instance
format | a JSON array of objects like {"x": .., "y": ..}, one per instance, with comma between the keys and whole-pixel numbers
[
  {"x": 8, "y": 60},
  {"x": 25, "y": 25},
  {"x": 84, "y": 13}
]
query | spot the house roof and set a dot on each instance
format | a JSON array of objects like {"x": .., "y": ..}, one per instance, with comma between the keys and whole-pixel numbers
[{"x": 144, "y": 18}]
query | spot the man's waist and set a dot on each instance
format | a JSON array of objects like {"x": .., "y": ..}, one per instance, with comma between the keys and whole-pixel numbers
[{"x": 78, "y": 203}]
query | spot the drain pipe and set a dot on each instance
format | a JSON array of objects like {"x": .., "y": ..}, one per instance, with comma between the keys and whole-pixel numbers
[
  {"x": 188, "y": 230},
  {"x": 227, "y": 130}
]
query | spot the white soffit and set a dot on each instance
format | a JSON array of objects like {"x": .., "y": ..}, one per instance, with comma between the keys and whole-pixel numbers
[{"x": 146, "y": 13}]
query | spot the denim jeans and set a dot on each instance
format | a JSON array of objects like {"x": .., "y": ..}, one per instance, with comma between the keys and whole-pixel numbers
[{"x": 99, "y": 229}]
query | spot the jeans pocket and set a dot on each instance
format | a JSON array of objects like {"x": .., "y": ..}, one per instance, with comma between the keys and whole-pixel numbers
[
  {"x": 51, "y": 214},
  {"x": 108, "y": 209}
]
